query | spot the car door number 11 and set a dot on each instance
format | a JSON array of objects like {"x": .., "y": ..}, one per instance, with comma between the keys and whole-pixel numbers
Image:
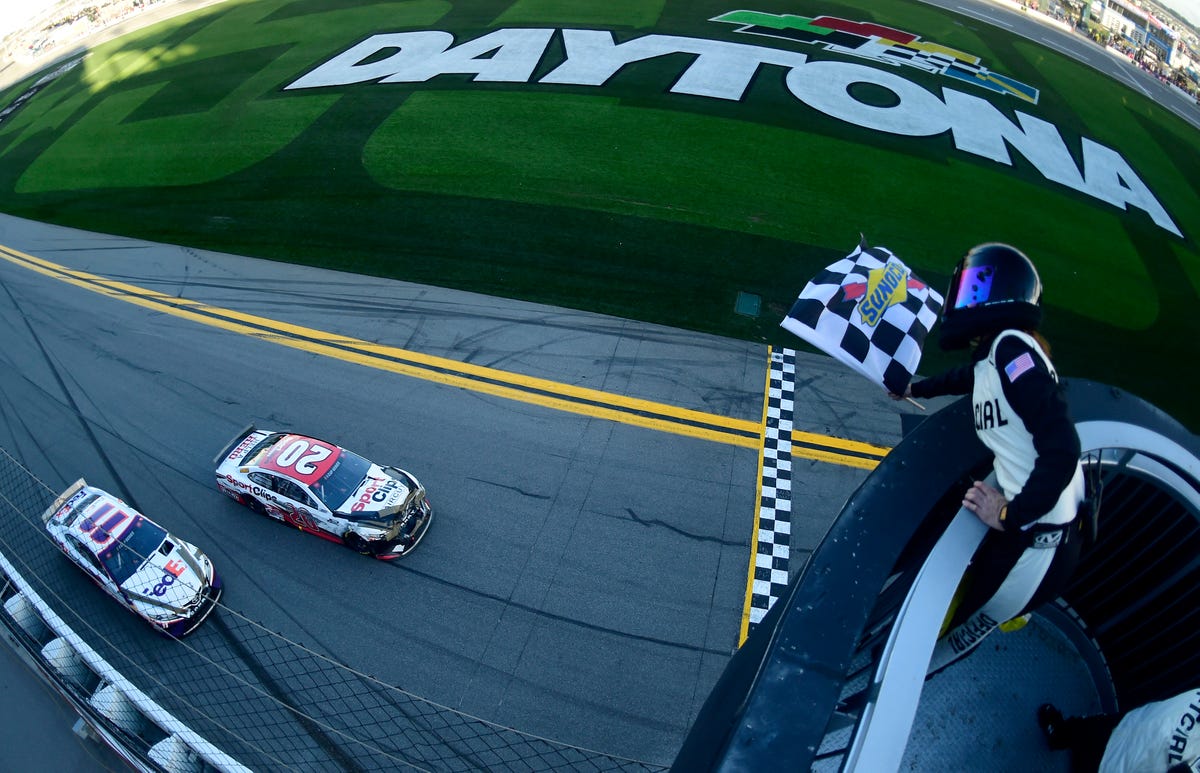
[{"x": 100, "y": 528}]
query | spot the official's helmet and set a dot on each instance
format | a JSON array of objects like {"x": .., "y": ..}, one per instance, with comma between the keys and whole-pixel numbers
[{"x": 994, "y": 288}]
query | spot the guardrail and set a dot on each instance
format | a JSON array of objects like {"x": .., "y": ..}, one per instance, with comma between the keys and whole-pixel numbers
[
  {"x": 232, "y": 695},
  {"x": 137, "y": 728}
]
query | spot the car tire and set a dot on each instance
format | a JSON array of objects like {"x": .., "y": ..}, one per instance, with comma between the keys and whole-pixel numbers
[
  {"x": 254, "y": 505},
  {"x": 355, "y": 542}
]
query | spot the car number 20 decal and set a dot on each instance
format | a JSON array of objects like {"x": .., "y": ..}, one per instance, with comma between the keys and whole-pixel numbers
[
  {"x": 303, "y": 459},
  {"x": 300, "y": 518}
]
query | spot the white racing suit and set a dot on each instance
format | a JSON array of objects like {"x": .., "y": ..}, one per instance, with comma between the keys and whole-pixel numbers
[
  {"x": 1157, "y": 737},
  {"x": 1020, "y": 415}
]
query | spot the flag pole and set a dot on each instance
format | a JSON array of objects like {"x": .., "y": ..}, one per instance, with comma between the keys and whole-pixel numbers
[{"x": 914, "y": 402}]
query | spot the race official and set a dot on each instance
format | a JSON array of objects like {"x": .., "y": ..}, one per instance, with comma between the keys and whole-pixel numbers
[
  {"x": 1020, "y": 413},
  {"x": 1160, "y": 737}
]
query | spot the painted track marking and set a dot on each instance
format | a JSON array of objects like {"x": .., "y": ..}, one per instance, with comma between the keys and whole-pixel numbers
[
  {"x": 528, "y": 389},
  {"x": 774, "y": 436}
]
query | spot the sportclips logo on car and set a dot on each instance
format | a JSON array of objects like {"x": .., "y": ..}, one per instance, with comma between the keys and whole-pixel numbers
[
  {"x": 377, "y": 491},
  {"x": 723, "y": 70}
]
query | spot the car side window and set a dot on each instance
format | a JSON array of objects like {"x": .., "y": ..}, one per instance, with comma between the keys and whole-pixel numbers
[
  {"x": 87, "y": 555},
  {"x": 284, "y": 487},
  {"x": 271, "y": 482},
  {"x": 294, "y": 492}
]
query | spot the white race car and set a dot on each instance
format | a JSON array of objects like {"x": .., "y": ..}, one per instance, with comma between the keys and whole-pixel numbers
[
  {"x": 324, "y": 489},
  {"x": 168, "y": 582}
]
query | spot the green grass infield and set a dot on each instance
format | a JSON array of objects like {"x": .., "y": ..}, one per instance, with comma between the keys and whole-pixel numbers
[{"x": 645, "y": 159}]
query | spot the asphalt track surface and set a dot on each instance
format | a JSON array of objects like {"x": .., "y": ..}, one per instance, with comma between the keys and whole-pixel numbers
[
  {"x": 585, "y": 577},
  {"x": 1040, "y": 29},
  {"x": 595, "y": 479}
]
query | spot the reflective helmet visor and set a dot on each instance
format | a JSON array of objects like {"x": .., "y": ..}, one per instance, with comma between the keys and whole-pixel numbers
[
  {"x": 992, "y": 274},
  {"x": 993, "y": 287},
  {"x": 971, "y": 286}
]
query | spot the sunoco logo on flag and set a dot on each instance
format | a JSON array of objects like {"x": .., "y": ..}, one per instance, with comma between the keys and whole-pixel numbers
[
  {"x": 884, "y": 288},
  {"x": 869, "y": 311}
]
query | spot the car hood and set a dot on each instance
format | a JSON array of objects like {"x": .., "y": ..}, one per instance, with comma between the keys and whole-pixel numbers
[
  {"x": 168, "y": 583},
  {"x": 380, "y": 493}
]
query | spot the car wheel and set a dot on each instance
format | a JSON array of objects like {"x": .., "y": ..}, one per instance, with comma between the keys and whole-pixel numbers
[
  {"x": 355, "y": 542},
  {"x": 254, "y": 505}
]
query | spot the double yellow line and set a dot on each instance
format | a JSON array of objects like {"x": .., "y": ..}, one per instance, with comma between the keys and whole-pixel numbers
[
  {"x": 823, "y": 448},
  {"x": 512, "y": 386}
]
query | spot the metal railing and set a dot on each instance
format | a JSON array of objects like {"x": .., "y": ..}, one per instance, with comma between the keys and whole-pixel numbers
[{"x": 831, "y": 677}]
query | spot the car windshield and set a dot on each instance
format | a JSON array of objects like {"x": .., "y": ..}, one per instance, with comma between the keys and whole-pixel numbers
[
  {"x": 125, "y": 556},
  {"x": 257, "y": 450},
  {"x": 342, "y": 480}
]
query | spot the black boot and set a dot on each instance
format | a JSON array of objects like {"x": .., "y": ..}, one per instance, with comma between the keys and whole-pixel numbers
[{"x": 1050, "y": 719}]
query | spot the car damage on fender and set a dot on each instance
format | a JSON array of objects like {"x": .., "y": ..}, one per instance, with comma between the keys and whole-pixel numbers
[
  {"x": 322, "y": 488},
  {"x": 166, "y": 581}
]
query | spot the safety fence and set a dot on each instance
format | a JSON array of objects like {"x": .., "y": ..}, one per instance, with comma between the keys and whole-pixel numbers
[{"x": 233, "y": 695}]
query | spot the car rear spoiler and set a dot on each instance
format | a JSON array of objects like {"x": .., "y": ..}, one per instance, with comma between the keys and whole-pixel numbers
[
  {"x": 232, "y": 444},
  {"x": 62, "y": 498}
]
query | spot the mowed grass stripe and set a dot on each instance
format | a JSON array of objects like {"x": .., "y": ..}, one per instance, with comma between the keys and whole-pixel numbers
[
  {"x": 598, "y": 170},
  {"x": 625, "y": 199},
  {"x": 514, "y": 386}
]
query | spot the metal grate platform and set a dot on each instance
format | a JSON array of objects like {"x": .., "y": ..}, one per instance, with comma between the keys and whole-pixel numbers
[{"x": 980, "y": 713}]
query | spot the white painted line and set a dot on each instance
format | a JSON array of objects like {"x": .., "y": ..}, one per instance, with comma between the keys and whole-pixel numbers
[
  {"x": 982, "y": 16},
  {"x": 1119, "y": 74},
  {"x": 1129, "y": 80},
  {"x": 1051, "y": 44}
]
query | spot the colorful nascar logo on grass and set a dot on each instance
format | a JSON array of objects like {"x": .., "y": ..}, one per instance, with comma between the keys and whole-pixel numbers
[
  {"x": 878, "y": 43},
  {"x": 885, "y": 287}
]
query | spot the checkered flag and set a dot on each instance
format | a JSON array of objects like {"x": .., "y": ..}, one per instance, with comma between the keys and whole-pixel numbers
[{"x": 869, "y": 311}]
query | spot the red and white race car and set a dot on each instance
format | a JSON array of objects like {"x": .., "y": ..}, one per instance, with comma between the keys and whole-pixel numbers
[
  {"x": 324, "y": 489},
  {"x": 168, "y": 582}
]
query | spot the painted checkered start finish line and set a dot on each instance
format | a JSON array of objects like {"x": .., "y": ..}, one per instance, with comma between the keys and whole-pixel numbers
[{"x": 773, "y": 552}]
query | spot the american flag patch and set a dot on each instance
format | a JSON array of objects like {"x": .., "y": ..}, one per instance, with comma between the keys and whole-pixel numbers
[{"x": 1018, "y": 366}]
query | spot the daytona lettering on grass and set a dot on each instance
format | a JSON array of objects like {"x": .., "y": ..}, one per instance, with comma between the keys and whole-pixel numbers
[{"x": 724, "y": 70}]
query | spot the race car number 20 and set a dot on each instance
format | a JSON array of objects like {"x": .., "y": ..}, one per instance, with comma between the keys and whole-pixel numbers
[{"x": 303, "y": 457}]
